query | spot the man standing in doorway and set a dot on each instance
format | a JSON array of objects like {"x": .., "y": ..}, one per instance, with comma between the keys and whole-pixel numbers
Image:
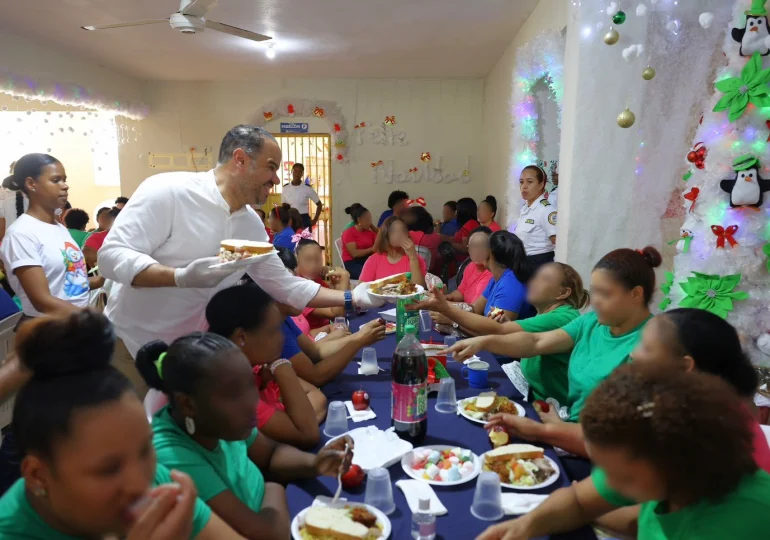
[{"x": 297, "y": 194}]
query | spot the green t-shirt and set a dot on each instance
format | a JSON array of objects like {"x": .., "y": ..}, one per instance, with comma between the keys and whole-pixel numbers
[
  {"x": 19, "y": 521},
  {"x": 349, "y": 225},
  {"x": 595, "y": 355},
  {"x": 227, "y": 467},
  {"x": 744, "y": 514},
  {"x": 79, "y": 237},
  {"x": 547, "y": 375}
]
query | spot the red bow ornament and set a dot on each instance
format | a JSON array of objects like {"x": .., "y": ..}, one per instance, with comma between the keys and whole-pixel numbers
[
  {"x": 692, "y": 196},
  {"x": 390, "y": 120},
  {"x": 374, "y": 164},
  {"x": 268, "y": 116},
  {"x": 723, "y": 234},
  {"x": 425, "y": 157},
  {"x": 319, "y": 112},
  {"x": 413, "y": 170},
  {"x": 419, "y": 201}
]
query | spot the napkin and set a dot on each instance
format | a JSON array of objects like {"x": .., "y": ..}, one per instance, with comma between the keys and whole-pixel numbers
[
  {"x": 414, "y": 490},
  {"x": 359, "y": 416},
  {"x": 515, "y": 504},
  {"x": 369, "y": 370},
  {"x": 471, "y": 359}
]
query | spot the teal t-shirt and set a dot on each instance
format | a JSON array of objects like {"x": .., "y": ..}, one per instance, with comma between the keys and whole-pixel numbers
[
  {"x": 744, "y": 514},
  {"x": 19, "y": 521},
  {"x": 227, "y": 467},
  {"x": 547, "y": 375},
  {"x": 595, "y": 355},
  {"x": 79, "y": 237},
  {"x": 349, "y": 225}
]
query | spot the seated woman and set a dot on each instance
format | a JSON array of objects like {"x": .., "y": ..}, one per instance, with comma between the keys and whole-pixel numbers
[
  {"x": 449, "y": 226},
  {"x": 476, "y": 275},
  {"x": 280, "y": 225},
  {"x": 95, "y": 241},
  {"x": 394, "y": 253},
  {"x": 89, "y": 468},
  {"x": 506, "y": 292},
  {"x": 421, "y": 230},
  {"x": 207, "y": 431},
  {"x": 310, "y": 265},
  {"x": 487, "y": 212},
  {"x": 556, "y": 292},
  {"x": 676, "y": 442},
  {"x": 622, "y": 285},
  {"x": 289, "y": 409},
  {"x": 358, "y": 240},
  {"x": 466, "y": 219}
]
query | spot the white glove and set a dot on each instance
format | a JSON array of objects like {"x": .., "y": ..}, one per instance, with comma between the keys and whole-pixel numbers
[
  {"x": 199, "y": 275},
  {"x": 362, "y": 299}
]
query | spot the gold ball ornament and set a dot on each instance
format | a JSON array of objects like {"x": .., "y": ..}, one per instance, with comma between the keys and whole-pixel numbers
[
  {"x": 611, "y": 37},
  {"x": 626, "y": 119},
  {"x": 648, "y": 74}
]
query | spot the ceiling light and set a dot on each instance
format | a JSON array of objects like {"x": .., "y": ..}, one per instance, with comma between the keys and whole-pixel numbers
[{"x": 270, "y": 52}]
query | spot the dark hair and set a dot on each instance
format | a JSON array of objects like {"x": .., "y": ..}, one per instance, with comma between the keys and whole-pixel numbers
[
  {"x": 288, "y": 258},
  {"x": 579, "y": 298},
  {"x": 382, "y": 243},
  {"x": 508, "y": 251},
  {"x": 356, "y": 211},
  {"x": 262, "y": 212},
  {"x": 251, "y": 139},
  {"x": 492, "y": 202},
  {"x": 539, "y": 173},
  {"x": 69, "y": 358},
  {"x": 420, "y": 219},
  {"x": 714, "y": 345},
  {"x": 633, "y": 268},
  {"x": 242, "y": 306},
  {"x": 27, "y": 166},
  {"x": 67, "y": 206},
  {"x": 452, "y": 205},
  {"x": 395, "y": 197},
  {"x": 77, "y": 219},
  {"x": 481, "y": 229},
  {"x": 466, "y": 210},
  {"x": 295, "y": 219},
  {"x": 656, "y": 414},
  {"x": 300, "y": 165},
  {"x": 305, "y": 242},
  {"x": 185, "y": 363},
  {"x": 101, "y": 210},
  {"x": 282, "y": 213},
  {"x": 19, "y": 203},
  {"x": 114, "y": 212},
  {"x": 121, "y": 200}
]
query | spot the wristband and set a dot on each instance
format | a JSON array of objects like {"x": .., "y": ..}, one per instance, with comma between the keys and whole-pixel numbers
[
  {"x": 278, "y": 363},
  {"x": 348, "y": 301}
]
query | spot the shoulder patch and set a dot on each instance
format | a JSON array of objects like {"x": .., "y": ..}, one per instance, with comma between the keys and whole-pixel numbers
[
  {"x": 552, "y": 218},
  {"x": 545, "y": 202},
  {"x": 530, "y": 222}
]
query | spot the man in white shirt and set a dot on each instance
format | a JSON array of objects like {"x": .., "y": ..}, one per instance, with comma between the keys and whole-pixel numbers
[
  {"x": 297, "y": 194},
  {"x": 162, "y": 245}
]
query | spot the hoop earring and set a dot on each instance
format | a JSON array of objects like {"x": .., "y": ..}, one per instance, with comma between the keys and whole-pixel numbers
[{"x": 189, "y": 425}]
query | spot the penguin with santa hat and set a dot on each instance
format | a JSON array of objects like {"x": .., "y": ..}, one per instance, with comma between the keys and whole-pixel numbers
[{"x": 754, "y": 36}]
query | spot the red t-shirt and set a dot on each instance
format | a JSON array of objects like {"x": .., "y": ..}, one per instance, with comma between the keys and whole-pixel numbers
[
  {"x": 494, "y": 227},
  {"x": 429, "y": 241},
  {"x": 313, "y": 321},
  {"x": 362, "y": 239},
  {"x": 474, "y": 282},
  {"x": 464, "y": 232},
  {"x": 269, "y": 399},
  {"x": 95, "y": 240},
  {"x": 377, "y": 266}
]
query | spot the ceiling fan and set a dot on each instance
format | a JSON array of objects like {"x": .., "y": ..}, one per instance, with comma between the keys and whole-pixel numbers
[{"x": 190, "y": 19}]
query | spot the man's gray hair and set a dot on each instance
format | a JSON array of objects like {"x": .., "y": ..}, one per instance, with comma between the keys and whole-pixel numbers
[{"x": 249, "y": 138}]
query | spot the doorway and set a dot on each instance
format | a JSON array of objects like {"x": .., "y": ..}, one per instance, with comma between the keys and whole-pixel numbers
[{"x": 313, "y": 150}]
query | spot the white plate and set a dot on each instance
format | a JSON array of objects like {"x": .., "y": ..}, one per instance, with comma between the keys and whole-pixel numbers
[
  {"x": 406, "y": 464},
  {"x": 420, "y": 290},
  {"x": 373, "y": 448},
  {"x": 461, "y": 411},
  {"x": 551, "y": 479},
  {"x": 381, "y": 519},
  {"x": 242, "y": 263}
]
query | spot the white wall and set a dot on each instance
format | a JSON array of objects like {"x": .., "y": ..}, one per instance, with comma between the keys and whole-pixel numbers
[{"x": 443, "y": 117}]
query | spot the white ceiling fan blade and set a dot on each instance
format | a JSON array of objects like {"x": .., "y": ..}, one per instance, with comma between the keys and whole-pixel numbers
[
  {"x": 197, "y": 8},
  {"x": 123, "y": 25},
  {"x": 235, "y": 31}
]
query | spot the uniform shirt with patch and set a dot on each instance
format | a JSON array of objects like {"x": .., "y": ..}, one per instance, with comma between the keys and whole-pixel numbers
[
  {"x": 298, "y": 196},
  {"x": 536, "y": 225}
]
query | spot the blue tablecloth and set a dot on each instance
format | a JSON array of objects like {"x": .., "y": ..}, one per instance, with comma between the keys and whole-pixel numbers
[{"x": 447, "y": 429}]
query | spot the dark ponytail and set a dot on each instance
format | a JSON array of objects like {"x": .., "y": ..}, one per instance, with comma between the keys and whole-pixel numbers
[
  {"x": 19, "y": 203},
  {"x": 282, "y": 213},
  {"x": 508, "y": 251},
  {"x": 27, "y": 166},
  {"x": 492, "y": 202}
]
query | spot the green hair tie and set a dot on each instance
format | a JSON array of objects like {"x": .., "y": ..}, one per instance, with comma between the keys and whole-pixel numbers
[{"x": 159, "y": 364}]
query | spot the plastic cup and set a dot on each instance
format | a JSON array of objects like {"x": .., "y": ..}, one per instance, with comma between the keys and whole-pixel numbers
[
  {"x": 446, "y": 402},
  {"x": 487, "y": 503},
  {"x": 336, "y": 419},
  {"x": 449, "y": 341},
  {"x": 340, "y": 323},
  {"x": 426, "y": 323},
  {"x": 379, "y": 491},
  {"x": 369, "y": 359}
]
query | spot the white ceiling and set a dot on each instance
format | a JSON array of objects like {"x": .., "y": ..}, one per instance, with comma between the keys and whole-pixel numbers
[{"x": 313, "y": 38}]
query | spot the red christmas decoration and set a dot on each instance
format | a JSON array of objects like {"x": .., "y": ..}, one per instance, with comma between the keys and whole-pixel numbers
[
  {"x": 425, "y": 157},
  {"x": 340, "y": 158},
  {"x": 319, "y": 112},
  {"x": 723, "y": 234},
  {"x": 698, "y": 155},
  {"x": 390, "y": 120},
  {"x": 290, "y": 109},
  {"x": 268, "y": 116},
  {"x": 692, "y": 196},
  {"x": 337, "y": 128}
]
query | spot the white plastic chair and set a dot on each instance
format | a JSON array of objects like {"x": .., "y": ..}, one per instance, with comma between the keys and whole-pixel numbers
[
  {"x": 338, "y": 246},
  {"x": 425, "y": 253},
  {"x": 153, "y": 402},
  {"x": 7, "y": 333}
]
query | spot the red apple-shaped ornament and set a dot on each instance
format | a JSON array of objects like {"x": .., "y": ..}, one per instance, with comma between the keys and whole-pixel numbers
[
  {"x": 360, "y": 400},
  {"x": 701, "y": 152},
  {"x": 692, "y": 157}
]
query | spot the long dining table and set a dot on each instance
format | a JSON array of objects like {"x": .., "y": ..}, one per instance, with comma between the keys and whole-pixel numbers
[{"x": 447, "y": 429}]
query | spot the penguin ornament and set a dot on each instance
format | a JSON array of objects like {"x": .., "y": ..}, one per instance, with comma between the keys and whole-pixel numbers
[
  {"x": 752, "y": 37},
  {"x": 747, "y": 187}
]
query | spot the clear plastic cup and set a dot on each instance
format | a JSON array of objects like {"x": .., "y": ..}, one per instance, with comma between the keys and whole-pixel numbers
[
  {"x": 426, "y": 323},
  {"x": 336, "y": 419},
  {"x": 379, "y": 491},
  {"x": 449, "y": 341},
  {"x": 340, "y": 323},
  {"x": 446, "y": 402},
  {"x": 369, "y": 359},
  {"x": 487, "y": 502}
]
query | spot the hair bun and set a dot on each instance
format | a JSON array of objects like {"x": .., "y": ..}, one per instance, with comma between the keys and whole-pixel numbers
[
  {"x": 349, "y": 210},
  {"x": 652, "y": 256},
  {"x": 11, "y": 183},
  {"x": 491, "y": 199},
  {"x": 58, "y": 346},
  {"x": 146, "y": 357}
]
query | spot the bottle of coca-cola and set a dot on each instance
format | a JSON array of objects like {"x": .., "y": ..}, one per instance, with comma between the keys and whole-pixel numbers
[{"x": 409, "y": 394}]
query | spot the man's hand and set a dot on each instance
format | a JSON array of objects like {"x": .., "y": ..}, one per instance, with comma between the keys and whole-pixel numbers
[{"x": 199, "y": 274}]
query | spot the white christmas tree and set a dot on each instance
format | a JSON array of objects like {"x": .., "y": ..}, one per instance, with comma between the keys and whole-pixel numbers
[{"x": 722, "y": 261}]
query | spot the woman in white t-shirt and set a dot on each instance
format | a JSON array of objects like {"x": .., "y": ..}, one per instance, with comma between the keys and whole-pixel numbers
[{"x": 44, "y": 264}]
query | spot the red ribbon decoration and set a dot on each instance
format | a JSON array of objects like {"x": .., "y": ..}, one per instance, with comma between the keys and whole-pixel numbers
[
  {"x": 767, "y": 123},
  {"x": 723, "y": 234},
  {"x": 692, "y": 195},
  {"x": 419, "y": 201}
]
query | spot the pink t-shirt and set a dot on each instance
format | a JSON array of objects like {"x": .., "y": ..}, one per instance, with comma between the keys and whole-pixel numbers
[
  {"x": 377, "y": 266},
  {"x": 494, "y": 227},
  {"x": 269, "y": 399},
  {"x": 362, "y": 239},
  {"x": 474, "y": 282},
  {"x": 302, "y": 323}
]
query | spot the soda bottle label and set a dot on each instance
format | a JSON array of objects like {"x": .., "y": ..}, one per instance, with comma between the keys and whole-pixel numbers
[{"x": 409, "y": 402}]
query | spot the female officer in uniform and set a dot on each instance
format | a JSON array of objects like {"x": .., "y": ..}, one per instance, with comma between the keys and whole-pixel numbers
[{"x": 536, "y": 226}]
